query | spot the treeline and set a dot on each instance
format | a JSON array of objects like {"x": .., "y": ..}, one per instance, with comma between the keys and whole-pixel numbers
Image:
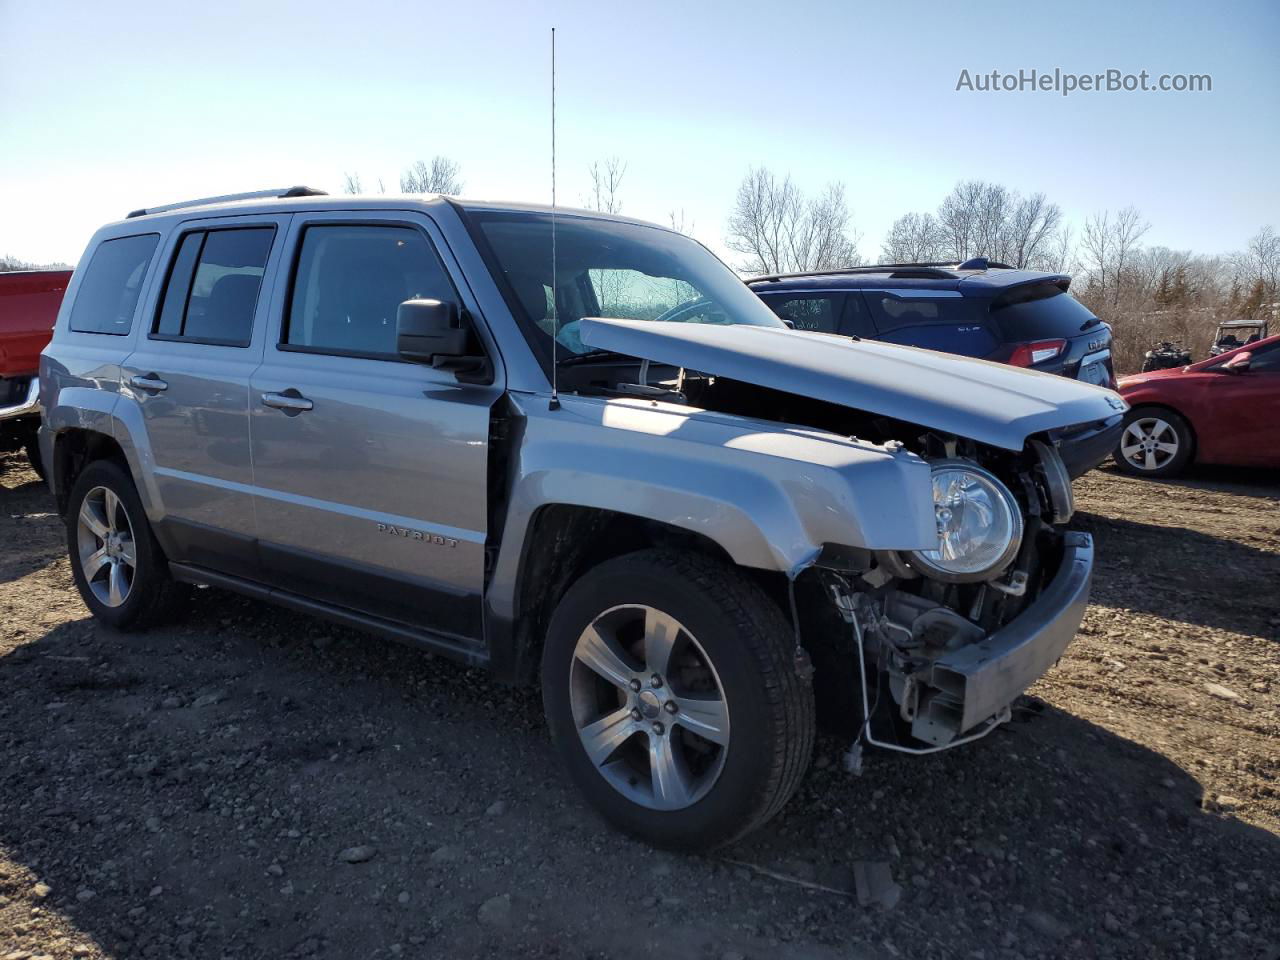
[{"x": 9, "y": 264}]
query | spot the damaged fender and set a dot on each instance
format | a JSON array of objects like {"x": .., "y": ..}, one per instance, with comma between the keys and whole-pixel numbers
[{"x": 770, "y": 495}]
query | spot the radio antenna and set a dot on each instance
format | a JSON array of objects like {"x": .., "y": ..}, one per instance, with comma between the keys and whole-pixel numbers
[{"x": 555, "y": 322}]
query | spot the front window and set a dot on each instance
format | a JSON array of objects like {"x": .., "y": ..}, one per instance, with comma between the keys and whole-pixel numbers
[
  {"x": 605, "y": 268},
  {"x": 350, "y": 282}
]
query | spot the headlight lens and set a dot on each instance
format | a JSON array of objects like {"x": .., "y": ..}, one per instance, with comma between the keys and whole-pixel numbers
[{"x": 979, "y": 524}]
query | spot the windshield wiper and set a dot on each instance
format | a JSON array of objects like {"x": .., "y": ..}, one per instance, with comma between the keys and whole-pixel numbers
[{"x": 590, "y": 355}]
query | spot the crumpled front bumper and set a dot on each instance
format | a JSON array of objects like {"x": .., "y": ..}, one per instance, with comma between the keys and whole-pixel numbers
[{"x": 975, "y": 683}]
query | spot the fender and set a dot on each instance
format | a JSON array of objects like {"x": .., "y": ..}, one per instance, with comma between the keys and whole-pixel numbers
[
  {"x": 107, "y": 412},
  {"x": 770, "y": 495}
]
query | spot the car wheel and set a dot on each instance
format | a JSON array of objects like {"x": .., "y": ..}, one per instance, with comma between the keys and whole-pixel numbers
[
  {"x": 1154, "y": 443},
  {"x": 119, "y": 569},
  {"x": 670, "y": 688}
]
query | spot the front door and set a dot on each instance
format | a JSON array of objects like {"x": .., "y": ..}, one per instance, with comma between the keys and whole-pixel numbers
[
  {"x": 1244, "y": 413},
  {"x": 370, "y": 473},
  {"x": 190, "y": 375}
]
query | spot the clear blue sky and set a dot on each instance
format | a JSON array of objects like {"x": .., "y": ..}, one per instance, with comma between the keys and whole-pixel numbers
[{"x": 105, "y": 107}]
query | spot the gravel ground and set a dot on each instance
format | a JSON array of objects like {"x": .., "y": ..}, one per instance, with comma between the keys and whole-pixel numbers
[{"x": 252, "y": 783}]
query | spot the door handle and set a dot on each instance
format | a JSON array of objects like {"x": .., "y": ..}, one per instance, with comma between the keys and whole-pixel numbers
[
  {"x": 150, "y": 383},
  {"x": 290, "y": 401}
]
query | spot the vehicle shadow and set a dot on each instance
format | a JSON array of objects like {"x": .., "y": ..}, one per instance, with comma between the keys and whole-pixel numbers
[
  {"x": 187, "y": 791},
  {"x": 1183, "y": 574},
  {"x": 1247, "y": 481}
]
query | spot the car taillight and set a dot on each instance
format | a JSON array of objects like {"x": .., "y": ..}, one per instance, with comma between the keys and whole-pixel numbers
[{"x": 1037, "y": 351}]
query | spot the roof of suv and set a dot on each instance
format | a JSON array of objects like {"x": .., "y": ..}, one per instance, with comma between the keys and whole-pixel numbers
[
  {"x": 287, "y": 199},
  {"x": 972, "y": 278}
]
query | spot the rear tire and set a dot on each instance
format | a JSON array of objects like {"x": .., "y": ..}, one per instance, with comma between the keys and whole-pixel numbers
[
  {"x": 644, "y": 655},
  {"x": 1155, "y": 442},
  {"x": 119, "y": 568}
]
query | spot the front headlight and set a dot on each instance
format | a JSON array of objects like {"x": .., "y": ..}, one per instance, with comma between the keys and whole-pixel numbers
[{"x": 979, "y": 525}]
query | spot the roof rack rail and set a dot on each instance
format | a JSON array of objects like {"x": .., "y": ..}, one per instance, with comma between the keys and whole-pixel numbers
[
  {"x": 929, "y": 270},
  {"x": 277, "y": 193},
  {"x": 937, "y": 270}
]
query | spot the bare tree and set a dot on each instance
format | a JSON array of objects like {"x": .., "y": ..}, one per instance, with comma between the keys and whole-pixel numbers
[
  {"x": 1058, "y": 253},
  {"x": 441, "y": 176},
  {"x": 1128, "y": 229},
  {"x": 352, "y": 184},
  {"x": 972, "y": 218},
  {"x": 1030, "y": 226},
  {"x": 1260, "y": 261},
  {"x": 606, "y": 185},
  {"x": 914, "y": 238},
  {"x": 680, "y": 224},
  {"x": 977, "y": 219},
  {"x": 1095, "y": 243},
  {"x": 779, "y": 230}
]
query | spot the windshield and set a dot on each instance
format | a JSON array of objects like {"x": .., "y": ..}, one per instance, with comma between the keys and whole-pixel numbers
[{"x": 609, "y": 269}]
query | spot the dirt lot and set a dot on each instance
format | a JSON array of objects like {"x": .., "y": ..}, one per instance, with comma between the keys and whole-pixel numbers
[{"x": 188, "y": 792}]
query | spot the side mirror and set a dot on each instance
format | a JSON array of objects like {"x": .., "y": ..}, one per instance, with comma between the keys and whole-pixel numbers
[
  {"x": 1239, "y": 363},
  {"x": 433, "y": 332}
]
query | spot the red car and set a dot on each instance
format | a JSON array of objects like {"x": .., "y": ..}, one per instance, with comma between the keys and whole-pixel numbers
[
  {"x": 29, "y": 302},
  {"x": 1225, "y": 410}
]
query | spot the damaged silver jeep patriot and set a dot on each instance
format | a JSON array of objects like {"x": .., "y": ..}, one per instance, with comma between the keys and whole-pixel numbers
[{"x": 604, "y": 467}]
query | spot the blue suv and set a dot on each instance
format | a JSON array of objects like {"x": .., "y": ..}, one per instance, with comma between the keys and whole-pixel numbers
[{"x": 976, "y": 309}]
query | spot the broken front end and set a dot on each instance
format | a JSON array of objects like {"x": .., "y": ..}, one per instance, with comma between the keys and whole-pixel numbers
[{"x": 937, "y": 644}]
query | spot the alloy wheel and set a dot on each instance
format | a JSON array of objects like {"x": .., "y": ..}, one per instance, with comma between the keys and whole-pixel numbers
[
  {"x": 1149, "y": 443},
  {"x": 649, "y": 708},
  {"x": 107, "y": 551}
]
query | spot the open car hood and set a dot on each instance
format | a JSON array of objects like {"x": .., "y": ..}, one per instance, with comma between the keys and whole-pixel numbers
[{"x": 992, "y": 403}]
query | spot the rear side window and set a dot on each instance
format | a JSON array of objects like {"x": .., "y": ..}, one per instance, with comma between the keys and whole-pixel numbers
[
  {"x": 349, "y": 283},
  {"x": 819, "y": 313},
  {"x": 1041, "y": 312},
  {"x": 108, "y": 294},
  {"x": 949, "y": 324},
  {"x": 213, "y": 286}
]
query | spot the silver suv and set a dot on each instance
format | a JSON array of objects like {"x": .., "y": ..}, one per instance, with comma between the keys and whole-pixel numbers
[{"x": 577, "y": 450}]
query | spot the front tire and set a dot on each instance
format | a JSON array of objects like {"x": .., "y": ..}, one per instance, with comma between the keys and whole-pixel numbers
[
  {"x": 1154, "y": 443},
  {"x": 119, "y": 568},
  {"x": 670, "y": 689}
]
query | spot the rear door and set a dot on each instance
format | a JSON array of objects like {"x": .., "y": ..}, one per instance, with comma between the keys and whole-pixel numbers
[
  {"x": 190, "y": 371},
  {"x": 371, "y": 473},
  {"x": 935, "y": 319}
]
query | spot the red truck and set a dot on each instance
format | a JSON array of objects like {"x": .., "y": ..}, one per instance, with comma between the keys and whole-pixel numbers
[{"x": 29, "y": 302}]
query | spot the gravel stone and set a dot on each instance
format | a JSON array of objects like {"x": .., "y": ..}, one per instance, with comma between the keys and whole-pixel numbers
[{"x": 360, "y": 854}]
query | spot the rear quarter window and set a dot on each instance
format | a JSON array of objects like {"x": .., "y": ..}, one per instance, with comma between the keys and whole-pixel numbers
[
  {"x": 108, "y": 295},
  {"x": 949, "y": 324},
  {"x": 815, "y": 312}
]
